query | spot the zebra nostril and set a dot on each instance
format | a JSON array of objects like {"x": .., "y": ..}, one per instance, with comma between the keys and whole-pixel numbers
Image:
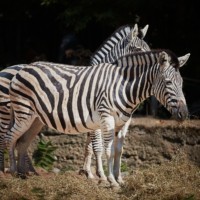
[{"x": 180, "y": 116}]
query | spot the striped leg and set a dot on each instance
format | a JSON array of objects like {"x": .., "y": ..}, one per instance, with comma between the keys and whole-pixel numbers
[
  {"x": 24, "y": 164},
  {"x": 97, "y": 145},
  {"x": 30, "y": 170},
  {"x": 20, "y": 126},
  {"x": 94, "y": 144},
  {"x": 88, "y": 157},
  {"x": 108, "y": 129},
  {"x": 119, "y": 140},
  {"x": 5, "y": 122},
  {"x": 2, "y": 147}
]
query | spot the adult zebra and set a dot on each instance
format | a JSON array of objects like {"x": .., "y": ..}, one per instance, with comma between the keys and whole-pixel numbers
[
  {"x": 76, "y": 100},
  {"x": 122, "y": 41},
  {"x": 121, "y": 44}
]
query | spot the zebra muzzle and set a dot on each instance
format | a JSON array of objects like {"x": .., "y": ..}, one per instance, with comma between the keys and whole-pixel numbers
[{"x": 181, "y": 112}]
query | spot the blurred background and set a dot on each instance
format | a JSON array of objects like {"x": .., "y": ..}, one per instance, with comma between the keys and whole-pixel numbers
[{"x": 69, "y": 31}]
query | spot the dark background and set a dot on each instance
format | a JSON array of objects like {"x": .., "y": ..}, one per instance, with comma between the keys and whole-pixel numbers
[{"x": 34, "y": 30}]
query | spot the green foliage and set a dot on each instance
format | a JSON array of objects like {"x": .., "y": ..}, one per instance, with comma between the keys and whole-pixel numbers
[
  {"x": 44, "y": 155},
  {"x": 124, "y": 167}
]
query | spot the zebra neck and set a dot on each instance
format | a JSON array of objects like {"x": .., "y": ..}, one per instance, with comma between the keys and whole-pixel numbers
[{"x": 139, "y": 73}]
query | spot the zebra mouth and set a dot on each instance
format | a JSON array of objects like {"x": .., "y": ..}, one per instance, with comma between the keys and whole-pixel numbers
[{"x": 180, "y": 113}]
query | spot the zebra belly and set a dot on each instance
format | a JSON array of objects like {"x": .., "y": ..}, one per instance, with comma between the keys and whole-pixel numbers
[{"x": 72, "y": 124}]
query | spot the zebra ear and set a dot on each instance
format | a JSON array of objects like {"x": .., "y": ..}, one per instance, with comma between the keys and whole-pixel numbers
[
  {"x": 163, "y": 59},
  {"x": 144, "y": 30},
  {"x": 135, "y": 31},
  {"x": 183, "y": 59}
]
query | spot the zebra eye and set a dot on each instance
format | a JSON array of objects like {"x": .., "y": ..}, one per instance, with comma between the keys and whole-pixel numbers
[{"x": 168, "y": 82}]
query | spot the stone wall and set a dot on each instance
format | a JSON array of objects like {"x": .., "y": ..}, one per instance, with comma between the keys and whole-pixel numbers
[{"x": 149, "y": 141}]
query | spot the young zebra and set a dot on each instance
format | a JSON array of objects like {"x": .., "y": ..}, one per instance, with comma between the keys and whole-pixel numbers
[
  {"x": 78, "y": 100},
  {"x": 122, "y": 41}
]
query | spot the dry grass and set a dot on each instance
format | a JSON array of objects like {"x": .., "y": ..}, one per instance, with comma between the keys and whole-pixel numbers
[{"x": 174, "y": 180}]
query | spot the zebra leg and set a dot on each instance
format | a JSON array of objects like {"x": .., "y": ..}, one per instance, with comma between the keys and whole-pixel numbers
[
  {"x": 88, "y": 157},
  {"x": 108, "y": 129},
  {"x": 5, "y": 123},
  {"x": 2, "y": 147},
  {"x": 24, "y": 163},
  {"x": 30, "y": 170},
  {"x": 97, "y": 145},
  {"x": 119, "y": 140},
  {"x": 20, "y": 126}
]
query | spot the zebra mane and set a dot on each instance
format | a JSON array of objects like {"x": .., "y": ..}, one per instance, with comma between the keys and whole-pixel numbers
[
  {"x": 125, "y": 28},
  {"x": 174, "y": 58}
]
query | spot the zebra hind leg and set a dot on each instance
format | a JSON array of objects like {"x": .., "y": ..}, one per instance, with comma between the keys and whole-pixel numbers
[
  {"x": 24, "y": 164},
  {"x": 20, "y": 126},
  {"x": 1, "y": 164},
  {"x": 88, "y": 158},
  {"x": 97, "y": 145},
  {"x": 2, "y": 147}
]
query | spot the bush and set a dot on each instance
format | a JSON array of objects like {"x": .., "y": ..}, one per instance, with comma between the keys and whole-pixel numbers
[{"x": 44, "y": 155}]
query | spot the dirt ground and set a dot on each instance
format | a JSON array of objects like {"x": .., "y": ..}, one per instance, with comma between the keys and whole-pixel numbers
[{"x": 152, "y": 122}]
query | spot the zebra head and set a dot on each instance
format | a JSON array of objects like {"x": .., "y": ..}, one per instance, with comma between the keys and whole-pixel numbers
[
  {"x": 168, "y": 84},
  {"x": 134, "y": 40}
]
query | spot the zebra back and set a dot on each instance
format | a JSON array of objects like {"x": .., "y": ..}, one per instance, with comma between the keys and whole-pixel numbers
[{"x": 5, "y": 76}]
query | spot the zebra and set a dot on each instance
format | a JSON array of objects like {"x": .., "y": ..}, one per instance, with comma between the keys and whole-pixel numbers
[
  {"x": 123, "y": 40},
  {"x": 78, "y": 100},
  {"x": 123, "y": 36}
]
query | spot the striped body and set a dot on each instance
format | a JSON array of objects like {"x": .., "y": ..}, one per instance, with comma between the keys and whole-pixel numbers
[
  {"x": 70, "y": 109},
  {"x": 85, "y": 99}
]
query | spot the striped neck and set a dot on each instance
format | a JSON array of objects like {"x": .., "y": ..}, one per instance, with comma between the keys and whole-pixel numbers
[{"x": 140, "y": 71}]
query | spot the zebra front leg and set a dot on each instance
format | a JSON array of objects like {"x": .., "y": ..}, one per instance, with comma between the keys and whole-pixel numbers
[
  {"x": 88, "y": 157},
  {"x": 119, "y": 141},
  {"x": 108, "y": 130}
]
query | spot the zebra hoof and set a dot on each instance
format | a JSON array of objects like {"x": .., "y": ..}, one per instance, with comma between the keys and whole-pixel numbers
[
  {"x": 22, "y": 176},
  {"x": 88, "y": 175},
  {"x": 114, "y": 186},
  {"x": 32, "y": 173},
  {"x": 120, "y": 181},
  {"x": 82, "y": 172},
  {"x": 103, "y": 183}
]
